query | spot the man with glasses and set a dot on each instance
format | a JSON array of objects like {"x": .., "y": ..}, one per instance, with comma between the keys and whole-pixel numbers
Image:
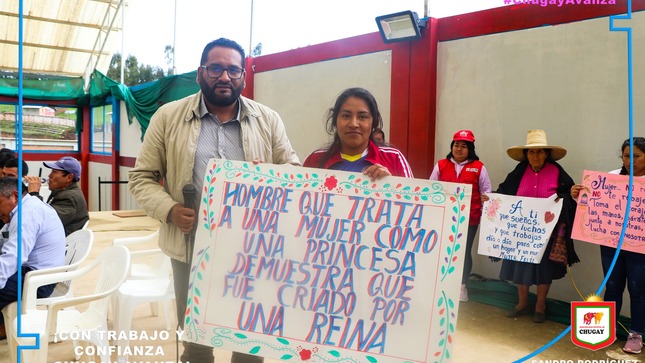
[
  {"x": 42, "y": 241},
  {"x": 216, "y": 122}
]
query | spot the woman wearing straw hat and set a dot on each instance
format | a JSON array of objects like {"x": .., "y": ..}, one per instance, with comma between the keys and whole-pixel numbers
[
  {"x": 538, "y": 175},
  {"x": 462, "y": 165}
]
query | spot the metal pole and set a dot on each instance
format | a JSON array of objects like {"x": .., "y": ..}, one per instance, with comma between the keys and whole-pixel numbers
[
  {"x": 122, "y": 44},
  {"x": 251, "y": 33},
  {"x": 174, "y": 41},
  {"x": 99, "y": 194}
]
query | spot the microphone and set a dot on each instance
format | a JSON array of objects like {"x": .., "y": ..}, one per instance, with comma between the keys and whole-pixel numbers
[{"x": 190, "y": 192}]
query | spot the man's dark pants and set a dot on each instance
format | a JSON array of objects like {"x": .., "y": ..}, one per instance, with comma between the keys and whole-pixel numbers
[
  {"x": 9, "y": 293},
  {"x": 197, "y": 352}
]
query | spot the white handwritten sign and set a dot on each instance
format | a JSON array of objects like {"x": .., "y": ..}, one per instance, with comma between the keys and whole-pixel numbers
[
  {"x": 303, "y": 264},
  {"x": 517, "y": 228}
]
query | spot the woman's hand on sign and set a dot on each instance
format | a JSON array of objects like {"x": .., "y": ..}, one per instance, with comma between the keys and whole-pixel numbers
[
  {"x": 575, "y": 191},
  {"x": 376, "y": 171}
]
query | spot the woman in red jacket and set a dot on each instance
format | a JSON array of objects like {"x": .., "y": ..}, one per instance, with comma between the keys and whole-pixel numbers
[
  {"x": 462, "y": 165},
  {"x": 351, "y": 122}
]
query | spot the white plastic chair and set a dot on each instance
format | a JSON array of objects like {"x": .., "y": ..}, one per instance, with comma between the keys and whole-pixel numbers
[
  {"x": 139, "y": 270},
  {"x": 149, "y": 281},
  {"x": 90, "y": 323},
  {"x": 78, "y": 246}
]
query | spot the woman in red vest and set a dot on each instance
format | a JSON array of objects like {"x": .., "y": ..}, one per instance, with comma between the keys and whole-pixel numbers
[{"x": 462, "y": 165}]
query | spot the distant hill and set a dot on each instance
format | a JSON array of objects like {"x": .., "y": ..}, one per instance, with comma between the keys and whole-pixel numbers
[{"x": 38, "y": 127}]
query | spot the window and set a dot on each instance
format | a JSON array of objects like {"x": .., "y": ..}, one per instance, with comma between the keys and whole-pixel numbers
[
  {"x": 102, "y": 129},
  {"x": 44, "y": 127}
]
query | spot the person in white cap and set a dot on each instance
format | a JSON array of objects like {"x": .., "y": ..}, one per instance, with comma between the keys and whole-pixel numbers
[
  {"x": 66, "y": 196},
  {"x": 538, "y": 175},
  {"x": 462, "y": 165}
]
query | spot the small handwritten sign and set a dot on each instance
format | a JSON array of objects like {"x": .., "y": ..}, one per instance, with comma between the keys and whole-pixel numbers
[
  {"x": 517, "y": 228},
  {"x": 303, "y": 264},
  {"x": 600, "y": 215}
]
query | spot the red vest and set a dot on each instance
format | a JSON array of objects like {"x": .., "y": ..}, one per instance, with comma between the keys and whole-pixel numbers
[{"x": 469, "y": 175}]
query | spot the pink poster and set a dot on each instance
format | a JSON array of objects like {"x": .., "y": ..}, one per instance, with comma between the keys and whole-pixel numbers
[{"x": 601, "y": 211}]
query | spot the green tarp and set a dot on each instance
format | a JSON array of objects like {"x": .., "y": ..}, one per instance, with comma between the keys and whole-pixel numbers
[
  {"x": 42, "y": 87},
  {"x": 141, "y": 101}
]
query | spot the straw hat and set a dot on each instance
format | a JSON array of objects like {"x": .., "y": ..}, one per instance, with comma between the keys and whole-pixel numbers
[{"x": 536, "y": 139}]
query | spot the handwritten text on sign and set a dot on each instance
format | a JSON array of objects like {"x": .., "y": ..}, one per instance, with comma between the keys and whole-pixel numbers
[
  {"x": 517, "y": 228},
  {"x": 601, "y": 211},
  {"x": 297, "y": 264}
]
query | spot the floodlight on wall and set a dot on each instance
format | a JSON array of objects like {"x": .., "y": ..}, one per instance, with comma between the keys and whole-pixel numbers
[{"x": 397, "y": 27}]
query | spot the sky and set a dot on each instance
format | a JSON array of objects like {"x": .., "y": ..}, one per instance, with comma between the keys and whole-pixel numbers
[{"x": 280, "y": 25}]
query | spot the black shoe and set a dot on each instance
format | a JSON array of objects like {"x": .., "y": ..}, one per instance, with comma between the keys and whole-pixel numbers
[
  {"x": 515, "y": 313},
  {"x": 539, "y": 317}
]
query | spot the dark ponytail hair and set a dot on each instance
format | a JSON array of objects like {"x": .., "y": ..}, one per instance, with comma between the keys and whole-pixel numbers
[{"x": 639, "y": 142}]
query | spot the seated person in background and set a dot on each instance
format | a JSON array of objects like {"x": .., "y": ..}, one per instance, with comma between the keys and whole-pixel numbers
[
  {"x": 42, "y": 241},
  {"x": 5, "y": 151},
  {"x": 66, "y": 197},
  {"x": 351, "y": 124},
  {"x": 10, "y": 167},
  {"x": 5, "y": 154}
]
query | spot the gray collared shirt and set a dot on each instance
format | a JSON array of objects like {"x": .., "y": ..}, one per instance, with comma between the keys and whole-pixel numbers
[{"x": 217, "y": 139}]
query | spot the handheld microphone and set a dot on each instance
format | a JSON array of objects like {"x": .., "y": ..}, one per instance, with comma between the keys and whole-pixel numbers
[{"x": 190, "y": 192}]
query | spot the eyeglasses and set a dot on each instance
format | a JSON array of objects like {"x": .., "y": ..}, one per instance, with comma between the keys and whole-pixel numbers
[{"x": 217, "y": 71}]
